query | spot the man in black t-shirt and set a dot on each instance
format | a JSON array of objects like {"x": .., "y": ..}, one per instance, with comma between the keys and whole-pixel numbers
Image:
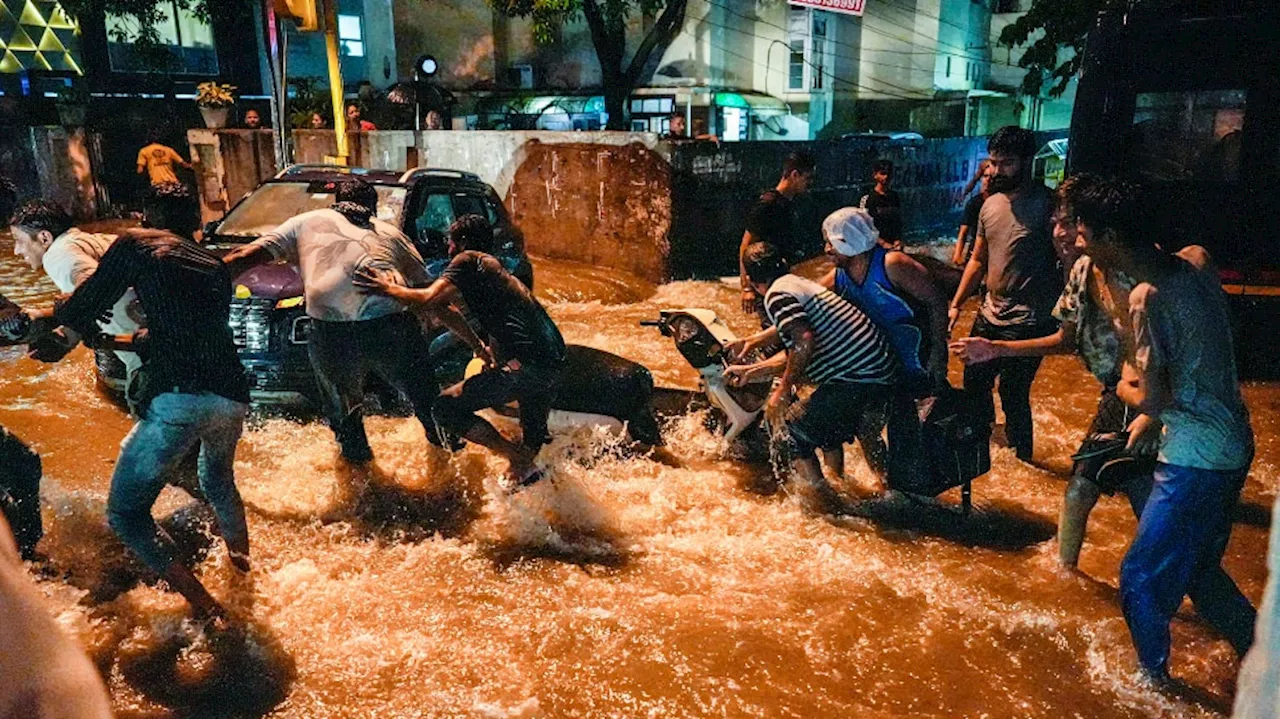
[
  {"x": 521, "y": 347},
  {"x": 772, "y": 219},
  {"x": 884, "y": 205}
]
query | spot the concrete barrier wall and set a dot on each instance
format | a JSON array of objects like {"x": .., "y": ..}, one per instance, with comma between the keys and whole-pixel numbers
[
  {"x": 660, "y": 210},
  {"x": 380, "y": 150},
  {"x": 229, "y": 164},
  {"x": 598, "y": 197},
  {"x": 54, "y": 163}
]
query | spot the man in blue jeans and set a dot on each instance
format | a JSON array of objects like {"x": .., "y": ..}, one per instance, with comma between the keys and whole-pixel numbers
[
  {"x": 191, "y": 390},
  {"x": 1184, "y": 374}
]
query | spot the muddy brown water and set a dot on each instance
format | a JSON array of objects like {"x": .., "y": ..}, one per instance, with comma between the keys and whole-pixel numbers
[{"x": 629, "y": 586}]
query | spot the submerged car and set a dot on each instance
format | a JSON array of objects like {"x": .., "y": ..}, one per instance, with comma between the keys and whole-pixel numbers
[{"x": 268, "y": 316}]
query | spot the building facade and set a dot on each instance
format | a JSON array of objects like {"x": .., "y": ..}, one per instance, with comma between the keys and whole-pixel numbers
[{"x": 747, "y": 69}]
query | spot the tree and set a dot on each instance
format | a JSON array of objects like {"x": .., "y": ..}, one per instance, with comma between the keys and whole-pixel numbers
[
  {"x": 147, "y": 14},
  {"x": 1054, "y": 25},
  {"x": 607, "y": 21}
]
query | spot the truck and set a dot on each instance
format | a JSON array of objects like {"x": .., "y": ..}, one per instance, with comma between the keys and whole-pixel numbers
[{"x": 1183, "y": 97}]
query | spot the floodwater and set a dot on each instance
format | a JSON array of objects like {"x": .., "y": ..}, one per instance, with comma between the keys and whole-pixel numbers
[{"x": 627, "y": 587}]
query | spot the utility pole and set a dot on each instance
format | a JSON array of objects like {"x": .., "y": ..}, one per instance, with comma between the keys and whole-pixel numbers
[
  {"x": 335, "y": 79},
  {"x": 310, "y": 15},
  {"x": 271, "y": 28}
]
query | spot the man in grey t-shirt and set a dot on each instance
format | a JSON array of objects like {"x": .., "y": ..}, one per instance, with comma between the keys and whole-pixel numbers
[
  {"x": 1013, "y": 250},
  {"x": 353, "y": 333}
]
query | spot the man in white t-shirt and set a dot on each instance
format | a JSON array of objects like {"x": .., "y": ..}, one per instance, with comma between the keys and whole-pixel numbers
[
  {"x": 44, "y": 236},
  {"x": 353, "y": 333}
]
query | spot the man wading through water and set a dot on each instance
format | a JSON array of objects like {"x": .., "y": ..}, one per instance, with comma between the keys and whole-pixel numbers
[
  {"x": 190, "y": 391},
  {"x": 896, "y": 293},
  {"x": 1014, "y": 251},
  {"x": 352, "y": 333},
  {"x": 522, "y": 348},
  {"x": 1184, "y": 374},
  {"x": 830, "y": 344}
]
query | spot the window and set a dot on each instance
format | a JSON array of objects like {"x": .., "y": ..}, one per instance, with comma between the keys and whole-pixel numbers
[
  {"x": 438, "y": 210},
  {"x": 795, "y": 77},
  {"x": 1006, "y": 6},
  {"x": 948, "y": 66},
  {"x": 798, "y": 29},
  {"x": 187, "y": 40},
  {"x": 651, "y": 105},
  {"x": 350, "y": 35},
  {"x": 818, "y": 49},
  {"x": 1187, "y": 135}
]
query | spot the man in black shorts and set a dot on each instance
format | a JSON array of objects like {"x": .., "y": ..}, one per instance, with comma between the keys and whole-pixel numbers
[
  {"x": 522, "y": 348},
  {"x": 828, "y": 343}
]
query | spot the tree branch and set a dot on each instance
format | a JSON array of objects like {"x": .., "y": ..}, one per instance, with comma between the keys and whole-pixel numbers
[{"x": 659, "y": 36}]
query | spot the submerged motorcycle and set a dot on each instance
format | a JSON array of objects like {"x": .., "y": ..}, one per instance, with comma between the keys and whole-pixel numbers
[{"x": 954, "y": 441}]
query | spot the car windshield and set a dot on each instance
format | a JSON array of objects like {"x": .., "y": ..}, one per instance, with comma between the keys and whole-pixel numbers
[{"x": 275, "y": 202}]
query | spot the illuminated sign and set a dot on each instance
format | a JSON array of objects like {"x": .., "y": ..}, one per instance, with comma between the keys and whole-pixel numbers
[
  {"x": 848, "y": 7},
  {"x": 38, "y": 35}
]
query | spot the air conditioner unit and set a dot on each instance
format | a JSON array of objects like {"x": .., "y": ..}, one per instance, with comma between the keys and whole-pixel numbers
[{"x": 520, "y": 76}]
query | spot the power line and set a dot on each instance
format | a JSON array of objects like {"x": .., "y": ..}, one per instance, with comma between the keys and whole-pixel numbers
[
  {"x": 855, "y": 85},
  {"x": 860, "y": 60},
  {"x": 963, "y": 51},
  {"x": 917, "y": 11},
  {"x": 827, "y": 73},
  {"x": 824, "y": 72}
]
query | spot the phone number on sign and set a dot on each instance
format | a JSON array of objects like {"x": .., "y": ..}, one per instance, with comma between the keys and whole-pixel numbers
[{"x": 853, "y": 7}]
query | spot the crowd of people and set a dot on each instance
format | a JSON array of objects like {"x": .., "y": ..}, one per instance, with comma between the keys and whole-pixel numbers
[
  {"x": 1071, "y": 272},
  {"x": 849, "y": 355}
]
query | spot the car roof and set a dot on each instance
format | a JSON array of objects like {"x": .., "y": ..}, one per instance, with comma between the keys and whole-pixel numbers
[{"x": 322, "y": 172}]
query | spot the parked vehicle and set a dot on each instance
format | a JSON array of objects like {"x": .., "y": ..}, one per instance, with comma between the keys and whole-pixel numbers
[{"x": 268, "y": 316}]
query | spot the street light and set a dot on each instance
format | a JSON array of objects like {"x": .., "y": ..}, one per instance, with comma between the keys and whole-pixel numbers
[{"x": 423, "y": 70}]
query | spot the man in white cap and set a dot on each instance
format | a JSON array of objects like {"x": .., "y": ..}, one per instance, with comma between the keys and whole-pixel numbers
[
  {"x": 897, "y": 294},
  {"x": 892, "y": 289}
]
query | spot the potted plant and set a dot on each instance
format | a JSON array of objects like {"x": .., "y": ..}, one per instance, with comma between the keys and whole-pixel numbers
[
  {"x": 214, "y": 100},
  {"x": 72, "y": 102}
]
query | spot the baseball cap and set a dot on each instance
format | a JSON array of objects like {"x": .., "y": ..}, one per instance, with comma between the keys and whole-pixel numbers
[{"x": 850, "y": 230}]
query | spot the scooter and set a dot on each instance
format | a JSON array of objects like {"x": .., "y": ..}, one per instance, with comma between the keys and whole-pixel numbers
[{"x": 701, "y": 336}]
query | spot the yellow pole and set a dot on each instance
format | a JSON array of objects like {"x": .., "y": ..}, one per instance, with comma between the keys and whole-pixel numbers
[{"x": 335, "y": 78}]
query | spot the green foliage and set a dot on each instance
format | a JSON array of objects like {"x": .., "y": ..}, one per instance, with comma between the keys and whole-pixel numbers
[
  {"x": 548, "y": 15},
  {"x": 148, "y": 13},
  {"x": 1049, "y": 29},
  {"x": 305, "y": 97}
]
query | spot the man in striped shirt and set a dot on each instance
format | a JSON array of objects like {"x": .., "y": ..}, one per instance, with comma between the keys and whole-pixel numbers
[{"x": 828, "y": 343}]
